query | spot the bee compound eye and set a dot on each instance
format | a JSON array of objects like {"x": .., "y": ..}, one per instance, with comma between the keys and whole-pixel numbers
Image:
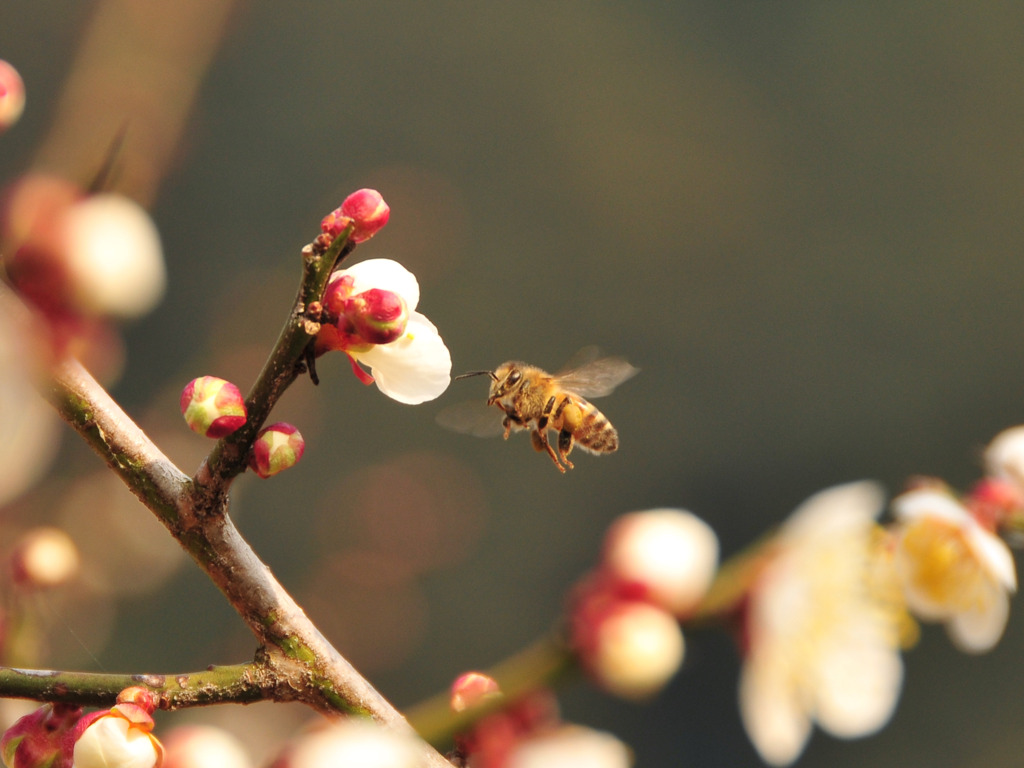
[{"x": 514, "y": 377}]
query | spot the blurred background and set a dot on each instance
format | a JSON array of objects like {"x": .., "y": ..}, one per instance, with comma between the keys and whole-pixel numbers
[{"x": 802, "y": 221}]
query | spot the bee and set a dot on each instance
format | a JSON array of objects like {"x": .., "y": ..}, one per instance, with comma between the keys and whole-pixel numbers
[{"x": 531, "y": 398}]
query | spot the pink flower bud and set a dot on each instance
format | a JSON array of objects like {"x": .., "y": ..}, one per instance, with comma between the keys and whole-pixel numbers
[
  {"x": 365, "y": 209},
  {"x": 45, "y": 557},
  {"x": 375, "y": 316},
  {"x": 44, "y": 737},
  {"x": 12, "y": 96},
  {"x": 212, "y": 407},
  {"x": 277, "y": 448},
  {"x": 472, "y": 688}
]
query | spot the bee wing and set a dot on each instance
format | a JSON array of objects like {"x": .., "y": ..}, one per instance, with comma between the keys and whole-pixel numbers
[
  {"x": 592, "y": 376},
  {"x": 471, "y": 417}
]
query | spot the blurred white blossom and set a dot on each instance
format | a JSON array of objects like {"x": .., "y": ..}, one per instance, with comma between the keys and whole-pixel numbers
[
  {"x": 952, "y": 568},
  {"x": 822, "y": 646}
]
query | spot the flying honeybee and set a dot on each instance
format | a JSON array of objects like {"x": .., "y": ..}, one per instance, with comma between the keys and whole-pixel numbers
[{"x": 536, "y": 400}]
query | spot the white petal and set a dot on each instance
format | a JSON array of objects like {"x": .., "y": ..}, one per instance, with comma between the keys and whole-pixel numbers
[
  {"x": 937, "y": 504},
  {"x": 773, "y": 715},
  {"x": 860, "y": 680},
  {"x": 994, "y": 556},
  {"x": 386, "y": 274},
  {"x": 835, "y": 509},
  {"x": 979, "y": 630},
  {"x": 414, "y": 369}
]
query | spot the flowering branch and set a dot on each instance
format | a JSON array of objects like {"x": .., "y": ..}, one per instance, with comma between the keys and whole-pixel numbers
[
  {"x": 285, "y": 363},
  {"x": 299, "y": 662}
]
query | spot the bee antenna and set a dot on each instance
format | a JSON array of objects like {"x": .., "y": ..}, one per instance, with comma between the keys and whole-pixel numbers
[{"x": 476, "y": 373}]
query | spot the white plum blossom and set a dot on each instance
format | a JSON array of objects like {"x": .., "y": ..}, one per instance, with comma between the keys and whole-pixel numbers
[
  {"x": 822, "y": 643},
  {"x": 415, "y": 366},
  {"x": 952, "y": 568}
]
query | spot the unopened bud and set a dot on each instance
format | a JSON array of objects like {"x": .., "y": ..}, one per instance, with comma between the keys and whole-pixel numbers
[
  {"x": 45, "y": 557},
  {"x": 471, "y": 689},
  {"x": 44, "y": 737},
  {"x": 630, "y": 648},
  {"x": 212, "y": 407},
  {"x": 12, "y": 96},
  {"x": 114, "y": 256},
  {"x": 364, "y": 209},
  {"x": 1004, "y": 457},
  {"x": 671, "y": 552},
  {"x": 375, "y": 316},
  {"x": 277, "y": 448},
  {"x": 120, "y": 737}
]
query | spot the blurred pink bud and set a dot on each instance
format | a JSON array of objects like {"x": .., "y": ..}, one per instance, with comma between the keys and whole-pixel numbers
[
  {"x": 212, "y": 407},
  {"x": 32, "y": 238},
  {"x": 277, "y": 448},
  {"x": 12, "y": 96},
  {"x": 45, "y": 557},
  {"x": 365, "y": 209},
  {"x": 472, "y": 688},
  {"x": 45, "y": 737},
  {"x": 204, "y": 746}
]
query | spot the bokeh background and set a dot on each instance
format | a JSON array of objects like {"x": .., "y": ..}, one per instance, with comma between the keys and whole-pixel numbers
[{"x": 801, "y": 220}]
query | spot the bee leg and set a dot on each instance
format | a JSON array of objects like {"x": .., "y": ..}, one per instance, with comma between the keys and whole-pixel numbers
[
  {"x": 507, "y": 422},
  {"x": 565, "y": 444},
  {"x": 540, "y": 443}
]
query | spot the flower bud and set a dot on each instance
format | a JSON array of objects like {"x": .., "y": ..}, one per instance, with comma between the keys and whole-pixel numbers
[
  {"x": 12, "y": 96},
  {"x": 45, "y": 557},
  {"x": 115, "y": 257},
  {"x": 375, "y": 316},
  {"x": 633, "y": 649},
  {"x": 471, "y": 689},
  {"x": 365, "y": 209},
  {"x": 119, "y": 738},
  {"x": 44, "y": 737},
  {"x": 1004, "y": 456},
  {"x": 277, "y": 448},
  {"x": 672, "y": 553},
  {"x": 212, "y": 407}
]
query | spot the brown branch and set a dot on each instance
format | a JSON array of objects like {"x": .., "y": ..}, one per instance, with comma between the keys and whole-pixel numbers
[{"x": 299, "y": 659}]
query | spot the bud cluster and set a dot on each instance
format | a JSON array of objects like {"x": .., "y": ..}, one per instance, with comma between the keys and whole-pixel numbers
[{"x": 624, "y": 617}]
